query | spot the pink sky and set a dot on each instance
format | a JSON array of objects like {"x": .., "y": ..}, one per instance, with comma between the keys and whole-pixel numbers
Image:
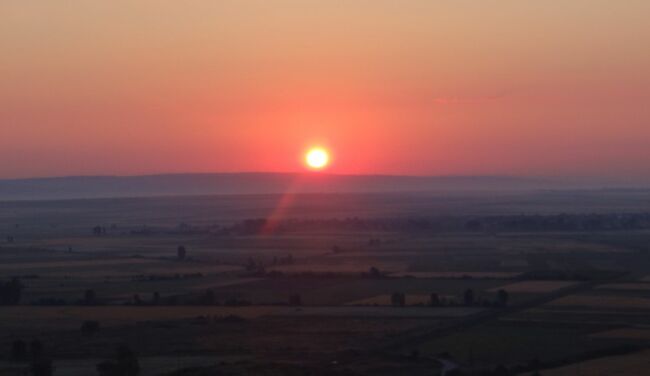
[{"x": 397, "y": 87}]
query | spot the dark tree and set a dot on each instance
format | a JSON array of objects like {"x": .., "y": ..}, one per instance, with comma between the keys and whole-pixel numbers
[
  {"x": 501, "y": 370},
  {"x": 11, "y": 291},
  {"x": 209, "y": 297},
  {"x": 468, "y": 297},
  {"x": 10, "y": 239},
  {"x": 181, "y": 252},
  {"x": 108, "y": 368},
  {"x": 435, "y": 300},
  {"x": 97, "y": 230},
  {"x": 502, "y": 297},
  {"x": 36, "y": 349},
  {"x": 398, "y": 299},
  {"x": 90, "y": 298},
  {"x": 250, "y": 264},
  {"x": 42, "y": 367},
  {"x": 18, "y": 350},
  {"x": 90, "y": 327},
  {"x": 156, "y": 298},
  {"x": 295, "y": 300},
  {"x": 535, "y": 364},
  {"x": 374, "y": 272},
  {"x": 128, "y": 361},
  {"x": 125, "y": 364}
]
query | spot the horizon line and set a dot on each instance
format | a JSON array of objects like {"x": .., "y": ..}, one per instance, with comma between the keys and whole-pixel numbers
[{"x": 308, "y": 173}]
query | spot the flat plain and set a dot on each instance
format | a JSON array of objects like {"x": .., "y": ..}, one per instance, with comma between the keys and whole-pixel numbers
[{"x": 319, "y": 286}]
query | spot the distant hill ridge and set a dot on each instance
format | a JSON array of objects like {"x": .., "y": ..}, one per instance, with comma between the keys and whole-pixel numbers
[{"x": 248, "y": 183}]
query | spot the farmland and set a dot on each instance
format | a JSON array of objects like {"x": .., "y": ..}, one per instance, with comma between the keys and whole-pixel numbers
[
  {"x": 193, "y": 283},
  {"x": 534, "y": 286},
  {"x": 629, "y": 365}
]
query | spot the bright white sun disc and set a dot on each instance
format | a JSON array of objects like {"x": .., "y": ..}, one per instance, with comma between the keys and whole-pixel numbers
[{"x": 317, "y": 158}]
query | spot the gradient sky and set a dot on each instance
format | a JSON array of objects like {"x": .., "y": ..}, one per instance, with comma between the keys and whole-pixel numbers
[{"x": 429, "y": 87}]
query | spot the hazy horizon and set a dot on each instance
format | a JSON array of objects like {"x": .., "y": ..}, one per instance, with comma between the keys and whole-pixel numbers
[
  {"x": 610, "y": 181},
  {"x": 259, "y": 183}
]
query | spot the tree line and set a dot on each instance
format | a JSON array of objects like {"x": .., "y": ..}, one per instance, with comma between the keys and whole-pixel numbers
[
  {"x": 523, "y": 222},
  {"x": 11, "y": 292}
]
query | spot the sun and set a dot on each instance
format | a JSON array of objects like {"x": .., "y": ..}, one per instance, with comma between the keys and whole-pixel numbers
[{"x": 317, "y": 158}]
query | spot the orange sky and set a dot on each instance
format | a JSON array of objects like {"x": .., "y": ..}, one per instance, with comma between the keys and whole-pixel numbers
[{"x": 397, "y": 87}]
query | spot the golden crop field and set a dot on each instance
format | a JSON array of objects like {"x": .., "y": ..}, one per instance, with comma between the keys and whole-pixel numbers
[
  {"x": 228, "y": 282},
  {"x": 636, "y": 364},
  {"x": 113, "y": 267},
  {"x": 534, "y": 286},
  {"x": 457, "y": 274},
  {"x": 377, "y": 312},
  {"x": 603, "y": 301},
  {"x": 69, "y": 264},
  {"x": 626, "y": 286},
  {"x": 625, "y": 333},
  {"x": 73, "y": 316},
  {"x": 151, "y": 366}
]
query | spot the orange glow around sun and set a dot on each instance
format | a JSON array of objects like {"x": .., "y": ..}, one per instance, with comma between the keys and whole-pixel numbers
[{"x": 317, "y": 158}]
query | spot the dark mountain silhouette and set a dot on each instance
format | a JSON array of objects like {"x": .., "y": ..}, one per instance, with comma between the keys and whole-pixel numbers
[{"x": 249, "y": 183}]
